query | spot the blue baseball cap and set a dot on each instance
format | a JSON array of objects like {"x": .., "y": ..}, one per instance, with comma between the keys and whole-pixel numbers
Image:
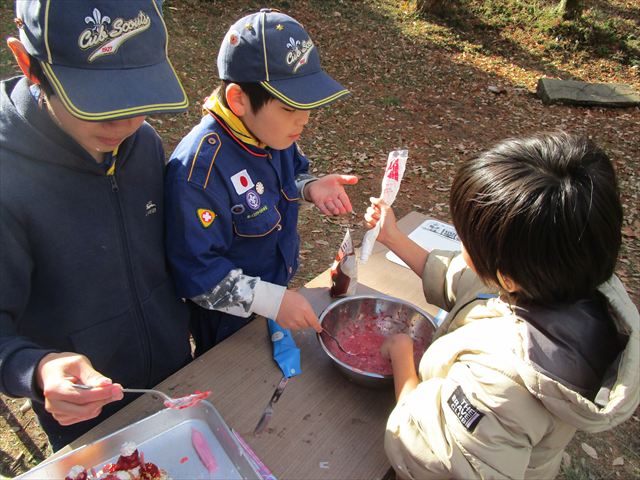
[
  {"x": 272, "y": 49},
  {"x": 105, "y": 59}
]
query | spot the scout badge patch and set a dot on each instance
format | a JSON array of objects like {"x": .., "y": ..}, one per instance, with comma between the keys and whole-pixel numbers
[
  {"x": 242, "y": 182},
  {"x": 206, "y": 217}
]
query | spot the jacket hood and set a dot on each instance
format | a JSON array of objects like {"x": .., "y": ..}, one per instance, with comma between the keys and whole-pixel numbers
[
  {"x": 619, "y": 393},
  {"x": 40, "y": 138}
]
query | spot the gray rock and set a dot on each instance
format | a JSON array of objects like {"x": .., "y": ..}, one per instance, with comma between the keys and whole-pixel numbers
[{"x": 571, "y": 92}]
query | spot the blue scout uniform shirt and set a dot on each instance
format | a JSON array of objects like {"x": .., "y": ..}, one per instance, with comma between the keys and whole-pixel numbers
[{"x": 230, "y": 205}]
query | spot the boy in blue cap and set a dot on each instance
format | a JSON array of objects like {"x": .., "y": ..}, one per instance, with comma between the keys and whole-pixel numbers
[
  {"x": 85, "y": 293},
  {"x": 234, "y": 183}
]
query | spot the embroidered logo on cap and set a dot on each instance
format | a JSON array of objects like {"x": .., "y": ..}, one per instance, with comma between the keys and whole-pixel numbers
[
  {"x": 107, "y": 41},
  {"x": 206, "y": 217},
  {"x": 298, "y": 53},
  {"x": 242, "y": 182},
  {"x": 468, "y": 415}
]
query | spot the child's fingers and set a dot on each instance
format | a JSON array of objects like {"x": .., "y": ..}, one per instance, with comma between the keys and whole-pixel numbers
[
  {"x": 323, "y": 209},
  {"x": 344, "y": 198},
  {"x": 372, "y": 213},
  {"x": 348, "y": 179},
  {"x": 331, "y": 207}
]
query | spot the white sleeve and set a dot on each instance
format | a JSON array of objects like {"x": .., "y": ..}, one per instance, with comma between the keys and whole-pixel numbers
[{"x": 242, "y": 295}]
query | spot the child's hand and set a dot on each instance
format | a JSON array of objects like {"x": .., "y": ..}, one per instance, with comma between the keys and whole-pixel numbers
[
  {"x": 296, "y": 313},
  {"x": 55, "y": 374},
  {"x": 399, "y": 344},
  {"x": 380, "y": 212},
  {"x": 399, "y": 349},
  {"x": 328, "y": 193}
]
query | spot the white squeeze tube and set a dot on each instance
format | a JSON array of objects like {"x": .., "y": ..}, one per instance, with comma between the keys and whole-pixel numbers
[{"x": 393, "y": 174}]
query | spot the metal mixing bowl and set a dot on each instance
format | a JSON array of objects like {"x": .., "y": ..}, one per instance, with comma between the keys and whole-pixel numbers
[{"x": 388, "y": 316}]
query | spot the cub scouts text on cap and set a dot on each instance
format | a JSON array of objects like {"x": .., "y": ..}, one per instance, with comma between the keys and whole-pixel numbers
[
  {"x": 105, "y": 59},
  {"x": 272, "y": 49}
]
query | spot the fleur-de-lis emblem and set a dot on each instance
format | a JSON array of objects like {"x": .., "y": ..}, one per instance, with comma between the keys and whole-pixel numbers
[
  {"x": 293, "y": 44},
  {"x": 97, "y": 19}
]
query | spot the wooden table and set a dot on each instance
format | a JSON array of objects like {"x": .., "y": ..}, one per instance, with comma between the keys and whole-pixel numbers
[{"x": 324, "y": 426}]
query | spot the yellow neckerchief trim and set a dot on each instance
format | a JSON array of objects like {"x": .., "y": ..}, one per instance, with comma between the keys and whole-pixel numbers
[
  {"x": 112, "y": 168},
  {"x": 214, "y": 105}
]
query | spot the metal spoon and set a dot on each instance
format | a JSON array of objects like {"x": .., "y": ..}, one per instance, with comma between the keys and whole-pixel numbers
[
  {"x": 169, "y": 402},
  {"x": 337, "y": 342}
]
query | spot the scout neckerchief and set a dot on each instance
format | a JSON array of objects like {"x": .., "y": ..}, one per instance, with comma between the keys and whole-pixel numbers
[
  {"x": 109, "y": 162},
  {"x": 213, "y": 104}
]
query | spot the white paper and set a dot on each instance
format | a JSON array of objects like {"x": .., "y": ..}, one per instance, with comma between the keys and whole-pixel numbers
[{"x": 431, "y": 235}]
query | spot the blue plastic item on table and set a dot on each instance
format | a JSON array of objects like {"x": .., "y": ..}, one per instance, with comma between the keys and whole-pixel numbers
[{"x": 285, "y": 351}]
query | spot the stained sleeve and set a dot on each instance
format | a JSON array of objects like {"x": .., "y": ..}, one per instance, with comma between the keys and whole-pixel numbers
[{"x": 242, "y": 295}]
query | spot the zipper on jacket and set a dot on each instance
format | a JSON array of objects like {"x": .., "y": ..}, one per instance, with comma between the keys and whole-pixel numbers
[{"x": 131, "y": 277}]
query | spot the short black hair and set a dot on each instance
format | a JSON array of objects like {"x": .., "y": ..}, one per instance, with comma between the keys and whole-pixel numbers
[
  {"x": 35, "y": 71},
  {"x": 543, "y": 210},
  {"x": 258, "y": 96}
]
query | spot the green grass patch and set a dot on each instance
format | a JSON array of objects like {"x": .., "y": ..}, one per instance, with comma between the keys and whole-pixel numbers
[
  {"x": 390, "y": 101},
  {"x": 604, "y": 29}
]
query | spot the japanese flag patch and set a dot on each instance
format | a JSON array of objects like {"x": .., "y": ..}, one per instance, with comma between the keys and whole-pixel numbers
[
  {"x": 462, "y": 408},
  {"x": 242, "y": 182},
  {"x": 206, "y": 217}
]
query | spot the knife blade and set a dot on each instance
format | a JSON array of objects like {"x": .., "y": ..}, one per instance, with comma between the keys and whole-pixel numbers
[{"x": 268, "y": 411}]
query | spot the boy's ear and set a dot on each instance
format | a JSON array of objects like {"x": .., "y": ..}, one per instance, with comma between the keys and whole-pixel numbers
[
  {"x": 22, "y": 57},
  {"x": 506, "y": 282},
  {"x": 236, "y": 99}
]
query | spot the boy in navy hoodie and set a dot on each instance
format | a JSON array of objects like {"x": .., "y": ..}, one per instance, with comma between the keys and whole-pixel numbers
[{"x": 85, "y": 294}]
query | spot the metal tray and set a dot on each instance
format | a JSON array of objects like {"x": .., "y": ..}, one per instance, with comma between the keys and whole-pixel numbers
[{"x": 165, "y": 439}]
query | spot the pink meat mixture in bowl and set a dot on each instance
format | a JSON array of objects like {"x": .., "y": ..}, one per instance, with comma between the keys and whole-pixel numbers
[{"x": 362, "y": 323}]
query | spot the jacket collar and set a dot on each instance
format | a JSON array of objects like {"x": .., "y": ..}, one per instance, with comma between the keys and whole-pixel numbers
[{"x": 233, "y": 126}]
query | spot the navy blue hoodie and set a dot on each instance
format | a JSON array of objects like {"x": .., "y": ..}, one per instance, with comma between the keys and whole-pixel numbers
[{"x": 82, "y": 262}]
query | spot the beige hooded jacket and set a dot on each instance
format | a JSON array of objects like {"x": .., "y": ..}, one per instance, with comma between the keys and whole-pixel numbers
[{"x": 494, "y": 400}]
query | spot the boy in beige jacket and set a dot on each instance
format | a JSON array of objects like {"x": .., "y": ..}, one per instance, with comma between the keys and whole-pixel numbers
[{"x": 541, "y": 338}]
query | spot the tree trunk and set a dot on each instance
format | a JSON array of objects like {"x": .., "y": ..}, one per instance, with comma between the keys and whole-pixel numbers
[
  {"x": 570, "y": 9},
  {"x": 430, "y": 6}
]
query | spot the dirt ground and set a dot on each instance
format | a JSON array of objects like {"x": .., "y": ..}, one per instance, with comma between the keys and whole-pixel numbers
[{"x": 443, "y": 89}]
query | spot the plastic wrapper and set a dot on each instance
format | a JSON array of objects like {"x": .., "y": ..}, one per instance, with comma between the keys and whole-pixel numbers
[
  {"x": 396, "y": 163},
  {"x": 285, "y": 351},
  {"x": 344, "y": 271}
]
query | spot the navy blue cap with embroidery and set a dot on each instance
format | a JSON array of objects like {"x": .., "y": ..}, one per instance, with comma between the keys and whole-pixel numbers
[
  {"x": 274, "y": 50},
  {"x": 105, "y": 59}
]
